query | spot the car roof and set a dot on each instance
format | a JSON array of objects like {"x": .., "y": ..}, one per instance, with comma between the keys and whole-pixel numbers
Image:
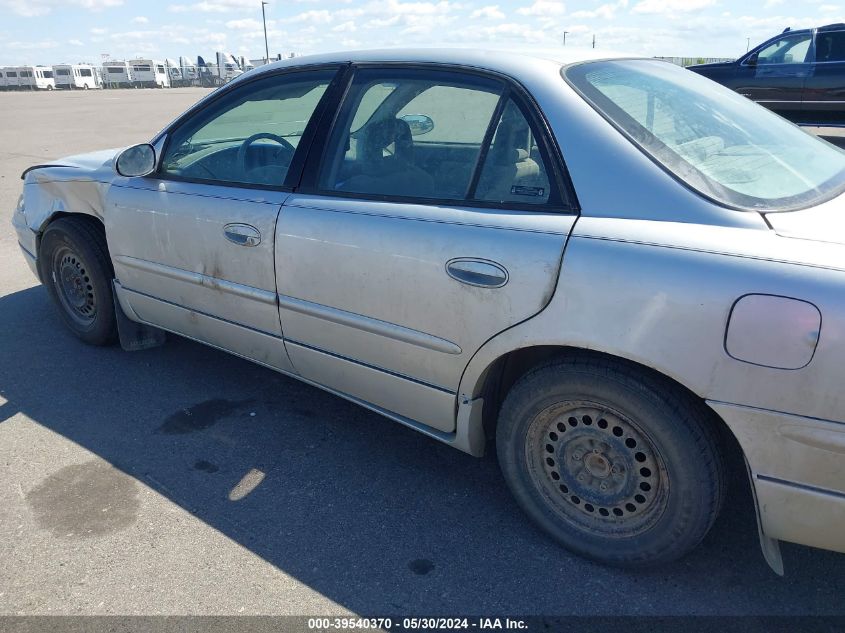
[{"x": 494, "y": 59}]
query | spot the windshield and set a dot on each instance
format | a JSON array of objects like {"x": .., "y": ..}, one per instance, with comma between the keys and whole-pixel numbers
[{"x": 716, "y": 141}]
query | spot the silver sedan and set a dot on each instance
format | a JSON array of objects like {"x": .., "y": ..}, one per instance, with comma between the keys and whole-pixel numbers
[{"x": 613, "y": 267}]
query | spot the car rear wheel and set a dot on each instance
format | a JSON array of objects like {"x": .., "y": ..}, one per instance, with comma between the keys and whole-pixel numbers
[
  {"x": 616, "y": 464},
  {"x": 75, "y": 266}
]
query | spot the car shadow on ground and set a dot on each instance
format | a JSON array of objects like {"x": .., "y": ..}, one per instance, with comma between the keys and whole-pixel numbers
[{"x": 372, "y": 515}]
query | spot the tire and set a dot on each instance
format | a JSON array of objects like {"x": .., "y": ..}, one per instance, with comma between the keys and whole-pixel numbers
[
  {"x": 75, "y": 266},
  {"x": 617, "y": 464}
]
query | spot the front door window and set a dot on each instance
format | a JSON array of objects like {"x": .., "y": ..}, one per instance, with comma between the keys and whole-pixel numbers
[
  {"x": 250, "y": 135},
  {"x": 787, "y": 50}
]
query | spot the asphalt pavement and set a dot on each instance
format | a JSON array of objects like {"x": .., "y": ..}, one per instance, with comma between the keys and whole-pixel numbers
[{"x": 183, "y": 480}]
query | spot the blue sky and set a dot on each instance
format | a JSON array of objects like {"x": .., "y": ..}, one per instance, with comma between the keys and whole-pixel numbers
[{"x": 50, "y": 31}]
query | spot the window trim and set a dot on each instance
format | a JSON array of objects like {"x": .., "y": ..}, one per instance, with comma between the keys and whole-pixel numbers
[
  {"x": 486, "y": 142},
  {"x": 562, "y": 190},
  {"x": 329, "y": 99}
]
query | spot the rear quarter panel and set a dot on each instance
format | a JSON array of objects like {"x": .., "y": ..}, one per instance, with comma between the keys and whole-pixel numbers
[{"x": 661, "y": 294}]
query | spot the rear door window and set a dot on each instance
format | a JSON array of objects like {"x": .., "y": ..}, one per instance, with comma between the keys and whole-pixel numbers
[
  {"x": 830, "y": 46},
  {"x": 410, "y": 133},
  {"x": 435, "y": 134}
]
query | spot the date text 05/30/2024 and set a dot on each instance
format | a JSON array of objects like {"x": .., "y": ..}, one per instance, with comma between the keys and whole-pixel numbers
[{"x": 412, "y": 624}]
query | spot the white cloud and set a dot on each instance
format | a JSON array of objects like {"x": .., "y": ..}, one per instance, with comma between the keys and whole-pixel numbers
[
  {"x": 345, "y": 27},
  {"x": 316, "y": 16},
  {"x": 34, "y": 8},
  {"x": 246, "y": 24},
  {"x": 214, "y": 6},
  {"x": 507, "y": 32},
  {"x": 669, "y": 7},
  {"x": 140, "y": 20},
  {"x": 543, "y": 8},
  {"x": 605, "y": 11},
  {"x": 829, "y": 8},
  {"x": 31, "y": 46},
  {"x": 768, "y": 4},
  {"x": 492, "y": 12},
  {"x": 76, "y": 42}
]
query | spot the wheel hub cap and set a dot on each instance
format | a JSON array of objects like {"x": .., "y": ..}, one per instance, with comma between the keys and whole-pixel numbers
[
  {"x": 74, "y": 286},
  {"x": 597, "y": 468}
]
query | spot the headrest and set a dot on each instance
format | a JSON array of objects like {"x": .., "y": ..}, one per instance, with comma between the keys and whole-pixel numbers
[{"x": 382, "y": 134}]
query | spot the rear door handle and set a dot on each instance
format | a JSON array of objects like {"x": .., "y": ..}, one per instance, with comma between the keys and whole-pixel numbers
[
  {"x": 477, "y": 272},
  {"x": 242, "y": 234}
]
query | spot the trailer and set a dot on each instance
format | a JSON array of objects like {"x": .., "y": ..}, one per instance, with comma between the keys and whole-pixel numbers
[
  {"x": 227, "y": 67},
  {"x": 76, "y": 76},
  {"x": 44, "y": 79},
  {"x": 3, "y": 80},
  {"x": 174, "y": 72},
  {"x": 220, "y": 73},
  {"x": 245, "y": 64},
  {"x": 36, "y": 78},
  {"x": 12, "y": 79},
  {"x": 117, "y": 75},
  {"x": 189, "y": 72},
  {"x": 150, "y": 73}
]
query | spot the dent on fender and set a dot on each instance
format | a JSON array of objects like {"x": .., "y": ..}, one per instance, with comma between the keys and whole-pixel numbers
[{"x": 45, "y": 198}]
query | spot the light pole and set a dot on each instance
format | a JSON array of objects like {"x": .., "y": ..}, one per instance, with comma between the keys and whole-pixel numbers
[
  {"x": 564, "y": 37},
  {"x": 266, "y": 46},
  {"x": 747, "y": 43}
]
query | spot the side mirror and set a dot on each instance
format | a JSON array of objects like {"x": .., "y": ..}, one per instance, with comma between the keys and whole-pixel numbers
[
  {"x": 419, "y": 123},
  {"x": 136, "y": 161},
  {"x": 752, "y": 61}
]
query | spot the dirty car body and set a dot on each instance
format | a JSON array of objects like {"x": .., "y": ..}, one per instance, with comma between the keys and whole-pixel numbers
[{"x": 426, "y": 233}]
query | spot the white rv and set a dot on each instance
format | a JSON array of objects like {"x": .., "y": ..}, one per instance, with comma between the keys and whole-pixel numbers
[
  {"x": 36, "y": 77},
  {"x": 3, "y": 84},
  {"x": 73, "y": 76},
  {"x": 150, "y": 73},
  {"x": 26, "y": 78},
  {"x": 12, "y": 79},
  {"x": 117, "y": 75}
]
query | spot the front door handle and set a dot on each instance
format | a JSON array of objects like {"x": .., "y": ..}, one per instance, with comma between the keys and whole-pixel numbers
[
  {"x": 477, "y": 272},
  {"x": 242, "y": 234}
]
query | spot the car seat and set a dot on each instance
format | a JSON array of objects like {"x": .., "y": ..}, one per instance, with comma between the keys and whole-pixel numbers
[
  {"x": 510, "y": 174},
  {"x": 385, "y": 161}
]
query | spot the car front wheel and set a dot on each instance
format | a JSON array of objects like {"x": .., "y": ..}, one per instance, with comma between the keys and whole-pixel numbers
[
  {"x": 617, "y": 464},
  {"x": 75, "y": 266}
]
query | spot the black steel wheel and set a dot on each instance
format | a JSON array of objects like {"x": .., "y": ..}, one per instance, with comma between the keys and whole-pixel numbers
[
  {"x": 614, "y": 462},
  {"x": 74, "y": 265}
]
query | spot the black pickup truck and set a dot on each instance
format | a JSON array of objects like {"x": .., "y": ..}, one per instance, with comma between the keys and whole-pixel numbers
[{"x": 799, "y": 74}]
